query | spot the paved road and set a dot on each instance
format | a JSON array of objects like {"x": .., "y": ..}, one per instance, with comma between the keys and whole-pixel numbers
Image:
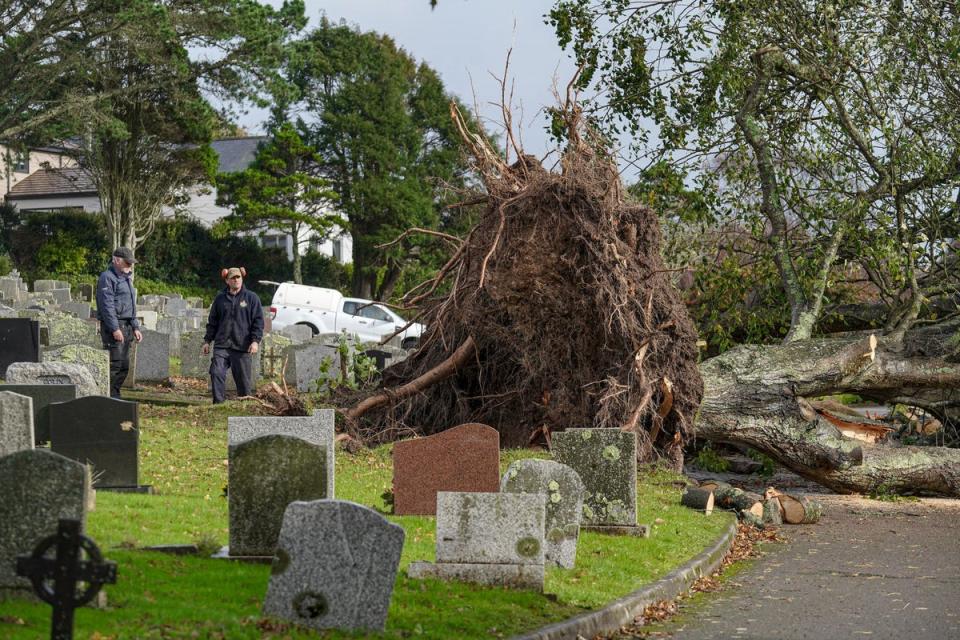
[{"x": 869, "y": 569}]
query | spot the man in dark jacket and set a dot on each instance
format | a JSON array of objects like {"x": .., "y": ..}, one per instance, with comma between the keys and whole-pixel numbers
[
  {"x": 235, "y": 328},
  {"x": 117, "y": 312}
]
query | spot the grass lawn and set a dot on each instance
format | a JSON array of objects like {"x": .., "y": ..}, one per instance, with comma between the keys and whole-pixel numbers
[{"x": 183, "y": 455}]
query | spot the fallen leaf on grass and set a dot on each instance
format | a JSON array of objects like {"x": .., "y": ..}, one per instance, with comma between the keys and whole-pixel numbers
[{"x": 12, "y": 620}]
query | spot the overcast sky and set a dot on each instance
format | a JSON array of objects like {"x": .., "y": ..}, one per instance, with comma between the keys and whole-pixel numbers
[{"x": 465, "y": 41}]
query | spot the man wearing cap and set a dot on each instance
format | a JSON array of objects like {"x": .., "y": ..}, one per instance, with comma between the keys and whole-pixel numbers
[
  {"x": 117, "y": 312},
  {"x": 235, "y": 328}
]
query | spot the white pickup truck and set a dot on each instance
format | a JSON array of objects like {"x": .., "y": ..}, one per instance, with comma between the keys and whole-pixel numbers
[{"x": 328, "y": 311}]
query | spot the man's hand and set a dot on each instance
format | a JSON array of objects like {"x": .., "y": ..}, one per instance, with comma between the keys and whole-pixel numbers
[
  {"x": 117, "y": 335},
  {"x": 254, "y": 347},
  {"x": 138, "y": 335},
  {"x": 205, "y": 349}
]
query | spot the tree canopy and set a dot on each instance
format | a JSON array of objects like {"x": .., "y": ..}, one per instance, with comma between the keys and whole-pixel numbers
[
  {"x": 381, "y": 124},
  {"x": 827, "y": 129},
  {"x": 280, "y": 191}
]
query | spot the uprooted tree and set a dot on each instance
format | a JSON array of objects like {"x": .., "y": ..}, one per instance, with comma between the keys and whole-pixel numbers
[{"x": 556, "y": 311}]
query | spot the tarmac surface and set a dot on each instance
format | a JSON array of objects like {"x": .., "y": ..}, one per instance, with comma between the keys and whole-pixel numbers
[{"x": 868, "y": 569}]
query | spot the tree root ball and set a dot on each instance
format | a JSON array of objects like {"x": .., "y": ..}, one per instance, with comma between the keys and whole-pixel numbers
[{"x": 572, "y": 314}]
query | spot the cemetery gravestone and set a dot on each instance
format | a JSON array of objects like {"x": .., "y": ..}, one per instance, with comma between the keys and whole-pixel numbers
[
  {"x": 173, "y": 327},
  {"x": 563, "y": 491},
  {"x": 298, "y": 333},
  {"x": 489, "y": 538},
  {"x": 266, "y": 474},
  {"x": 335, "y": 566},
  {"x": 96, "y": 360},
  {"x": 317, "y": 429},
  {"x": 16, "y": 423},
  {"x": 54, "y": 373},
  {"x": 64, "y": 330},
  {"x": 19, "y": 342},
  {"x": 310, "y": 362},
  {"x": 86, "y": 292},
  {"x": 38, "y": 488},
  {"x": 42, "y": 395},
  {"x": 464, "y": 458},
  {"x": 61, "y": 296},
  {"x": 175, "y": 307},
  {"x": 148, "y": 319},
  {"x": 100, "y": 431},
  {"x": 153, "y": 356},
  {"x": 606, "y": 460},
  {"x": 77, "y": 309},
  {"x": 11, "y": 289},
  {"x": 271, "y": 353}
]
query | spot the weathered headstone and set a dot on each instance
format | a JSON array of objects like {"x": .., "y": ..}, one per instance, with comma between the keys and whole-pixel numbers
[
  {"x": 153, "y": 356},
  {"x": 335, "y": 566},
  {"x": 96, "y": 360},
  {"x": 42, "y": 395},
  {"x": 19, "y": 342},
  {"x": 11, "y": 289},
  {"x": 316, "y": 429},
  {"x": 38, "y": 488},
  {"x": 148, "y": 319},
  {"x": 79, "y": 310},
  {"x": 489, "y": 538},
  {"x": 173, "y": 327},
  {"x": 265, "y": 475},
  {"x": 563, "y": 490},
  {"x": 298, "y": 333},
  {"x": 175, "y": 306},
  {"x": 606, "y": 460},
  {"x": 86, "y": 292},
  {"x": 16, "y": 423},
  {"x": 310, "y": 362},
  {"x": 54, "y": 373},
  {"x": 100, "y": 431},
  {"x": 271, "y": 353},
  {"x": 64, "y": 329},
  {"x": 61, "y": 296},
  {"x": 464, "y": 458}
]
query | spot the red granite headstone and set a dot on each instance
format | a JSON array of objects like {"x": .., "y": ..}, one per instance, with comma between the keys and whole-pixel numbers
[{"x": 464, "y": 458}]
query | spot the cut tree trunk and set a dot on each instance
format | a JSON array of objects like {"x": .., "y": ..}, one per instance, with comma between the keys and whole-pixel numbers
[
  {"x": 757, "y": 396},
  {"x": 699, "y": 499}
]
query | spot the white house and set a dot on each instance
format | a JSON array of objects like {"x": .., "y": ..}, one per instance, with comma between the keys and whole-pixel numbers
[{"x": 48, "y": 179}]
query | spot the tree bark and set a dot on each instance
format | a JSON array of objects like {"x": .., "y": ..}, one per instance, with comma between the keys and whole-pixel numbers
[{"x": 756, "y": 396}]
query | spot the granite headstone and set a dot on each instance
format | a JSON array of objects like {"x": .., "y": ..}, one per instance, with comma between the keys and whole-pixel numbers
[
  {"x": 266, "y": 474},
  {"x": 16, "y": 423},
  {"x": 563, "y": 491},
  {"x": 42, "y": 396},
  {"x": 37, "y": 489},
  {"x": 100, "y": 431},
  {"x": 54, "y": 373},
  {"x": 335, "y": 566},
  {"x": 606, "y": 461},
  {"x": 464, "y": 458},
  {"x": 19, "y": 342}
]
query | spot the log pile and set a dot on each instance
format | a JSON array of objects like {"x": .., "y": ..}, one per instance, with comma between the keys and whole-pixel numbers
[{"x": 768, "y": 511}]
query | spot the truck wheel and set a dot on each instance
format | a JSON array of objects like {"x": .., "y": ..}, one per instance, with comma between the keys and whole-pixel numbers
[
  {"x": 410, "y": 343},
  {"x": 312, "y": 328}
]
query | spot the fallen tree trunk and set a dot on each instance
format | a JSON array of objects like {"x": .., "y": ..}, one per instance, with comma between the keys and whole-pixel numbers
[{"x": 756, "y": 396}]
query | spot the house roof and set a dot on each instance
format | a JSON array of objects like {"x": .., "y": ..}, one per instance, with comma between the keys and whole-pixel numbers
[
  {"x": 236, "y": 154},
  {"x": 45, "y": 183}
]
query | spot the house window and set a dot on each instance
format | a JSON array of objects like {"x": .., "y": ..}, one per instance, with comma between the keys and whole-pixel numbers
[
  {"x": 274, "y": 242},
  {"x": 338, "y": 250},
  {"x": 21, "y": 162}
]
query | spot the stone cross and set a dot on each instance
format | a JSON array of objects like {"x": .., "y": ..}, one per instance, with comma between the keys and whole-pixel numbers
[{"x": 66, "y": 569}]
